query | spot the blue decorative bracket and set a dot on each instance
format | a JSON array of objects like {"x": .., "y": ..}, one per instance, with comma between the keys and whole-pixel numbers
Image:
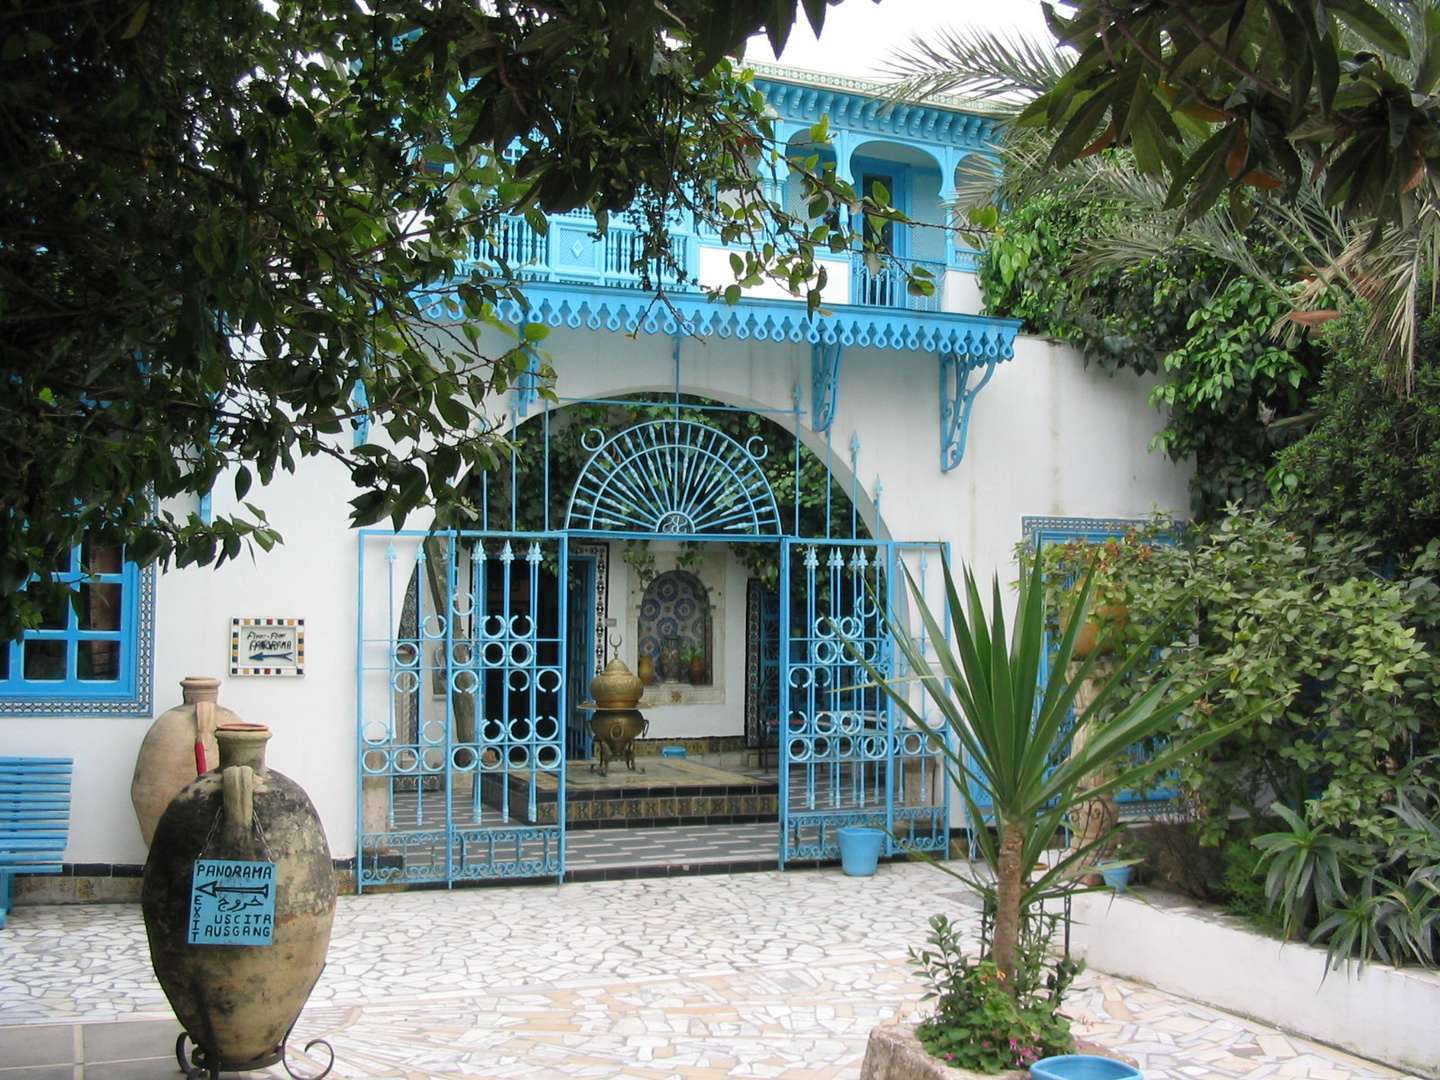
[
  {"x": 528, "y": 384},
  {"x": 825, "y": 360},
  {"x": 959, "y": 387}
]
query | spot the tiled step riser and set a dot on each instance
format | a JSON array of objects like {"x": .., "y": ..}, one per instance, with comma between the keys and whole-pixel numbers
[
  {"x": 688, "y": 810},
  {"x": 628, "y": 801},
  {"x": 586, "y": 810}
]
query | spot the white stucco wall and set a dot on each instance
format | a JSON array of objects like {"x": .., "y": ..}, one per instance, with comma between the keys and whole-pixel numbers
[
  {"x": 1383, "y": 1013},
  {"x": 311, "y": 577},
  {"x": 1047, "y": 437}
]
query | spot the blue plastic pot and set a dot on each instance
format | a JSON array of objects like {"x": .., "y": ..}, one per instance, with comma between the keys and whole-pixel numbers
[
  {"x": 860, "y": 849},
  {"x": 1117, "y": 877},
  {"x": 1083, "y": 1067}
]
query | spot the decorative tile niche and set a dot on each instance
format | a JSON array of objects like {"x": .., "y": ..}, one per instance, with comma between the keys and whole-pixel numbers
[{"x": 680, "y": 610}]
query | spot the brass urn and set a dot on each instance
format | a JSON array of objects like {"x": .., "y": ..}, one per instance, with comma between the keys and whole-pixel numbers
[
  {"x": 616, "y": 722},
  {"x": 615, "y": 732},
  {"x": 616, "y": 687}
]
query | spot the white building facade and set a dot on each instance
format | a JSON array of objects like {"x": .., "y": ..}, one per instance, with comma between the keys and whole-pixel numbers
[{"x": 437, "y": 711}]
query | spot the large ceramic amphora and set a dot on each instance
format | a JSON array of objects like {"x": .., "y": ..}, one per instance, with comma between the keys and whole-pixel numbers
[
  {"x": 239, "y": 859},
  {"x": 169, "y": 755}
]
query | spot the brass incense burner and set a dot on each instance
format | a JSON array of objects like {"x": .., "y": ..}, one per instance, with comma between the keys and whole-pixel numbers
[{"x": 616, "y": 722}]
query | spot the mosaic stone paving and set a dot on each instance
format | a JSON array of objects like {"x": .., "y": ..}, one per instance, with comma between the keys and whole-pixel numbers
[{"x": 761, "y": 975}]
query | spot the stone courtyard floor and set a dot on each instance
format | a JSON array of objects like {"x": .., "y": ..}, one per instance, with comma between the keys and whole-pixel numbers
[{"x": 755, "y": 975}]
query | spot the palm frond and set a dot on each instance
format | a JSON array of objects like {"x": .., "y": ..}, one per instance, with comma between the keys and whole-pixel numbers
[{"x": 1005, "y": 70}]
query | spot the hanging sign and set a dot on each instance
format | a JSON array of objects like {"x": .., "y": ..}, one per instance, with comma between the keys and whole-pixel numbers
[{"x": 232, "y": 903}]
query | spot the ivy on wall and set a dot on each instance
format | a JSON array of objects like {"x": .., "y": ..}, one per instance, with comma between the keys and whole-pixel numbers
[{"x": 820, "y": 507}]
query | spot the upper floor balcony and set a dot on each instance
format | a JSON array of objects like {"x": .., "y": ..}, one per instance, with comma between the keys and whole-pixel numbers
[
  {"x": 913, "y": 153},
  {"x": 571, "y": 253}
]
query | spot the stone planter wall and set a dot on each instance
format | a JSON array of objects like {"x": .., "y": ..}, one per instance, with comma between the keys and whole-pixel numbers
[
  {"x": 894, "y": 1053},
  {"x": 1379, "y": 1012}
]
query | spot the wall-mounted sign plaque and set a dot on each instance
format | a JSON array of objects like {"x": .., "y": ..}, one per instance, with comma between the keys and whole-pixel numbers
[{"x": 267, "y": 646}]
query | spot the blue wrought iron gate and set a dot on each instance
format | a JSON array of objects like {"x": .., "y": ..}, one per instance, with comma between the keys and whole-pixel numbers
[
  {"x": 472, "y": 662},
  {"x": 462, "y": 706},
  {"x": 846, "y": 756}
]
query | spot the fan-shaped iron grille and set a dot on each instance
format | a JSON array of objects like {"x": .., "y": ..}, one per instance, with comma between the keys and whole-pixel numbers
[{"x": 675, "y": 477}]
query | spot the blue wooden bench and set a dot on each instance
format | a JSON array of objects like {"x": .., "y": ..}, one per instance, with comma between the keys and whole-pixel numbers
[{"x": 34, "y": 819}]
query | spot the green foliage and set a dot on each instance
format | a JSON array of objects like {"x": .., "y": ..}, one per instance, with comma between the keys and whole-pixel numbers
[
  {"x": 1364, "y": 897},
  {"x": 1247, "y": 95},
  {"x": 1335, "y": 665},
  {"x": 1371, "y": 459},
  {"x": 980, "y": 1022},
  {"x": 1183, "y": 315},
  {"x": 1242, "y": 888},
  {"x": 221, "y": 220}
]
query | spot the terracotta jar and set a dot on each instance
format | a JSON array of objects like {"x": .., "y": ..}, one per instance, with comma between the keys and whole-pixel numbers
[
  {"x": 237, "y": 1002},
  {"x": 168, "y": 755},
  {"x": 1111, "y": 618}
]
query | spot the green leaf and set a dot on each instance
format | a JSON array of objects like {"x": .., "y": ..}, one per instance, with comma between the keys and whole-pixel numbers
[
  {"x": 1427, "y": 78},
  {"x": 137, "y": 21},
  {"x": 1369, "y": 22}
]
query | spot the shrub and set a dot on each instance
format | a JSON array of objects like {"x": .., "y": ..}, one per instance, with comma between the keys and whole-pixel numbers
[
  {"x": 1336, "y": 663},
  {"x": 1371, "y": 459},
  {"x": 981, "y": 1024}
]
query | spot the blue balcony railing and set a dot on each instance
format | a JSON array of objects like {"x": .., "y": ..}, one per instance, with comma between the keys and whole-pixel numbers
[
  {"x": 569, "y": 253},
  {"x": 885, "y": 285}
]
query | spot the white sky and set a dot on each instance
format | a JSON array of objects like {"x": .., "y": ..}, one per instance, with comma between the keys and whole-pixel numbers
[{"x": 860, "y": 34}]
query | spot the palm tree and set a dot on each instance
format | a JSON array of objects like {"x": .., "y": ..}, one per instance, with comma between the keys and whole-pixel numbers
[
  {"x": 1005, "y": 707},
  {"x": 1355, "y": 259}
]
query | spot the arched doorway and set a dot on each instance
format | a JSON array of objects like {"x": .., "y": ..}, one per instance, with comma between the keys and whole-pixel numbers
[{"x": 477, "y": 644}]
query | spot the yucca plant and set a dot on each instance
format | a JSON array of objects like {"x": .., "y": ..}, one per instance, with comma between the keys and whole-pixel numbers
[{"x": 1005, "y": 711}]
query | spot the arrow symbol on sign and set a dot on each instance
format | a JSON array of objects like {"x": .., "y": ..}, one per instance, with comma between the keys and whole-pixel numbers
[
  {"x": 272, "y": 656},
  {"x": 214, "y": 888}
]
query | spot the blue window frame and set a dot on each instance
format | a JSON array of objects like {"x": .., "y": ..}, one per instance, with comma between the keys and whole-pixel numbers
[{"x": 91, "y": 654}]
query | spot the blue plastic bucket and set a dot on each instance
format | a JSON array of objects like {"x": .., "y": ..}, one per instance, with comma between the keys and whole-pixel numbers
[
  {"x": 1083, "y": 1067},
  {"x": 860, "y": 849},
  {"x": 1117, "y": 877}
]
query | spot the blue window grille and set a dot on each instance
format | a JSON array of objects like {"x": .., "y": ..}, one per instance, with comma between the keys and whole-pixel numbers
[{"x": 91, "y": 652}]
